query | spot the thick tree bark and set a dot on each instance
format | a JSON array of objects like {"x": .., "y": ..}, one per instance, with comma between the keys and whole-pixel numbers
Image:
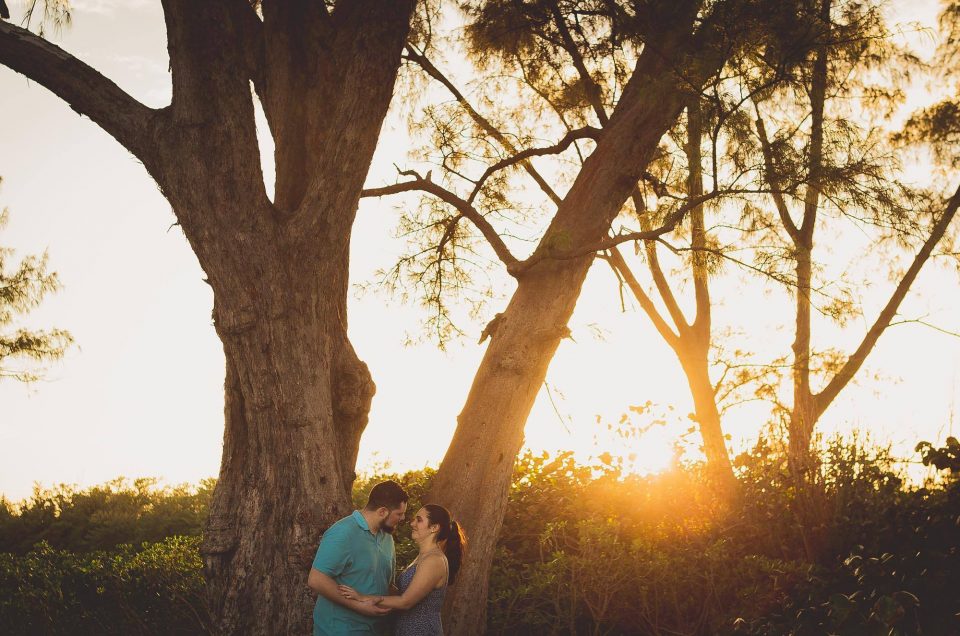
[
  {"x": 297, "y": 399},
  {"x": 296, "y": 395},
  {"x": 474, "y": 478}
]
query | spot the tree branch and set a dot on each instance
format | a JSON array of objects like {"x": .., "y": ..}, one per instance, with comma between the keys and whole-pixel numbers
[
  {"x": 587, "y": 132},
  {"x": 619, "y": 265},
  {"x": 251, "y": 27},
  {"x": 669, "y": 225},
  {"x": 776, "y": 190},
  {"x": 591, "y": 89},
  {"x": 461, "y": 205},
  {"x": 823, "y": 399},
  {"x": 84, "y": 89},
  {"x": 659, "y": 279},
  {"x": 698, "y": 236},
  {"x": 423, "y": 62},
  {"x": 929, "y": 325}
]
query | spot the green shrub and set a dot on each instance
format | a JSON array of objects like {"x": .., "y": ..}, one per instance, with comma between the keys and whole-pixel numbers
[
  {"x": 583, "y": 550},
  {"x": 156, "y": 589},
  {"x": 102, "y": 517}
]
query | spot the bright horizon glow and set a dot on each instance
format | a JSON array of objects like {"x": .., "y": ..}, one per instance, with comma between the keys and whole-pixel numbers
[{"x": 141, "y": 393}]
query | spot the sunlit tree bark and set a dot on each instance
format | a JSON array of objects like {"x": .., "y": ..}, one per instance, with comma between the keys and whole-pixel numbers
[
  {"x": 691, "y": 341},
  {"x": 683, "y": 44}
]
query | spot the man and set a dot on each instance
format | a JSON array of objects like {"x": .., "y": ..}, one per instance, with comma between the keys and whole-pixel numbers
[{"x": 357, "y": 551}]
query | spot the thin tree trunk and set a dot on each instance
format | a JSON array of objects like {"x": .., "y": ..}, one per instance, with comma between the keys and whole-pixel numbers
[
  {"x": 690, "y": 342},
  {"x": 696, "y": 340},
  {"x": 800, "y": 458},
  {"x": 800, "y": 426}
]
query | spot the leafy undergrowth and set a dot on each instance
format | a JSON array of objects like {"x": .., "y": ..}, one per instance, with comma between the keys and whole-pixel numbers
[{"x": 584, "y": 550}]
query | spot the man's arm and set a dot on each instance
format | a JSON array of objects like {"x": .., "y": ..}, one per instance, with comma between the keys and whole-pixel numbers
[
  {"x": 430, "y": 572},
  {"x": 327, "y": 588}
]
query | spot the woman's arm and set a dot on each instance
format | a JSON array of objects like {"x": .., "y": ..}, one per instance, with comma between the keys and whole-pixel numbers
[
  {"x": 429, "y": 572},
  {"x": 325, "y": 586}
]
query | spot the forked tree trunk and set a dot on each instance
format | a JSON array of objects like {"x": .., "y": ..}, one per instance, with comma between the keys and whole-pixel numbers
[
  {"x": 690, "y": 341},
  {"x": 800, "y": 457},
  {"x": 474, "y": 478},
  {"x": 692, "y": 348},
  {"x": 296, "y": 395}
]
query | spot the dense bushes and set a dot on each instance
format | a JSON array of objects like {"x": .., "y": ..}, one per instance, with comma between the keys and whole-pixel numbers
[
  {"x": 584, "y": 550},
  {"x": 103, "y": 517},
  {"x": 156, "y": 589}
]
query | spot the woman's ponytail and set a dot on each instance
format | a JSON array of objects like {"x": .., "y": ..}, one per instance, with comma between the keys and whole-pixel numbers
[
  {"x": 456, "y": 543},
  {"x": 451, "y": 537}
]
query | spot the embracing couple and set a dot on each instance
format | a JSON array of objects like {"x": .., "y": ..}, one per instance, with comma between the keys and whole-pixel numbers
[{"x": 353, "y": 572}]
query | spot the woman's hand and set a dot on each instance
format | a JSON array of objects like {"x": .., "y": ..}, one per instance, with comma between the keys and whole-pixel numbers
[{"x": 348, "y": 592}]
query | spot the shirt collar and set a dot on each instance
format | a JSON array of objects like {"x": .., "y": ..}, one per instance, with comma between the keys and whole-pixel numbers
[{"x": 358, "y": 517}]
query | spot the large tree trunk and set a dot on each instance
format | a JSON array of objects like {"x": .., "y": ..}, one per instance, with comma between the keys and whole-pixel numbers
[
  {"x": 474, "y": 478},
  {"x": 296, "y": 395},
  {"x": 297, "y": 400}
]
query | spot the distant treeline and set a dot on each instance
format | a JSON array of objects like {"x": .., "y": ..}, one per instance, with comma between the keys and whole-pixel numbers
[{"x": 584, "y": 550}]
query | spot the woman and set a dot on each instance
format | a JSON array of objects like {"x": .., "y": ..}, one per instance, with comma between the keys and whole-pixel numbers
[{"x": 424, "y": 582}]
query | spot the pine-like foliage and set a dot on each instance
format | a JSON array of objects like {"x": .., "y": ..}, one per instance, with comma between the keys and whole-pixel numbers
[{"x": 23, "y": 285}]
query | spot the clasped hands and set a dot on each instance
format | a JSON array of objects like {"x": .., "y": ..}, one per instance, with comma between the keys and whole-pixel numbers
[{"x": 368, "y": 603}]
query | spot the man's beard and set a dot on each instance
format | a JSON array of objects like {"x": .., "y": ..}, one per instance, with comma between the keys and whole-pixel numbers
[{"x": 388, "y": 529}]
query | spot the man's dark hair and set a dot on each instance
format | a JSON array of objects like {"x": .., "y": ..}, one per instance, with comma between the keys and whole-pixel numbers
[{"x": 387, "y": 494}]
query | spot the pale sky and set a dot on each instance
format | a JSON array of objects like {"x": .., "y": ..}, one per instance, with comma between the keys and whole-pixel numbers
[{"x": 141, "y": 393}]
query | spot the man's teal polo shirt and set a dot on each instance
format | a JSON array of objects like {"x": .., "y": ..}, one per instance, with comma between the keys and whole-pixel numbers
[{"x": 351, "y": 555}]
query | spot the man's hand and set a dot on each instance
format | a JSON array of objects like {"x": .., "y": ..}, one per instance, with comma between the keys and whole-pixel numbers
[{"x": 327, "y": 587}]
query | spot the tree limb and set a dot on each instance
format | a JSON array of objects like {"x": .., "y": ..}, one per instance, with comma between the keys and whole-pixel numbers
[
  {"x": 776, "y": 190},
  {"x": 587, "y": 132},
  {"x": 461, "y": 205},
  {"x": 823, "y": 399},
  {"x": 619, "y": 265},
  {"x": 698, "y": 237},
  {"x": 592, "y": 90},
  {"x": 84, "y": 89},
  {"x": 659, "y": 279},
  {"x": 251, "y": 26},
  {"x": 423, "y": 62}
]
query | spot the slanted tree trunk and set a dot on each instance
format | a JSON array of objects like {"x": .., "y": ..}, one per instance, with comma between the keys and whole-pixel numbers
[
  {"x": 707, "y": 415},
  {"x": 297, "y": 396},
  {"x": 474, "y": 478}
]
